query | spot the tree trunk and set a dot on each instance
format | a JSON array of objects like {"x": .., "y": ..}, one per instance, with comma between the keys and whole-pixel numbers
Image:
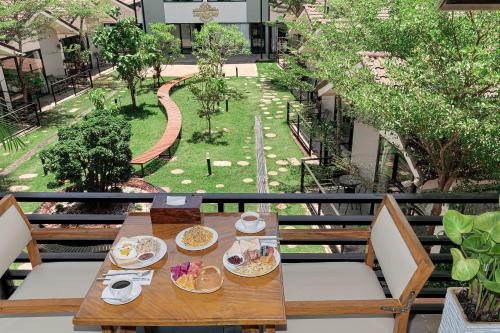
[
  {"x": 22, "y": 82},
  {"x": 131, "y": 87},
  {"x": 209, "y": 128}
]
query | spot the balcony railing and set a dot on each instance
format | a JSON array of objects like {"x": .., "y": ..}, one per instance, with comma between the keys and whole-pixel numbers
[{"x": 430, "y": 299}]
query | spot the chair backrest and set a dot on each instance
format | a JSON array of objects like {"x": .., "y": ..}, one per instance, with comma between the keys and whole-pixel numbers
[
  {"x": 15, "y": 232},
  {"x": 403, "y": 260}
]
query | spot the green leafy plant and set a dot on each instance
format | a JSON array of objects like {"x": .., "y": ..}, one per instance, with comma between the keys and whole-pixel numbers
[{"x": 477, "y": 260}]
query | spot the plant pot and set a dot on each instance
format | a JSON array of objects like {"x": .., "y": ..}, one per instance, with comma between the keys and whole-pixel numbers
[{"x": 455, "y": 321}]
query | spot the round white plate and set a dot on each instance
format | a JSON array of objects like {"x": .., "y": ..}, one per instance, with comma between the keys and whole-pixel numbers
[
  {"x": 231, "y": 268},
  {"x": 142, "y": 264},
  {"x": 108, "y": 297},
  {"x": 241, "y": 227},
  {"x": 180, "y": 236}
]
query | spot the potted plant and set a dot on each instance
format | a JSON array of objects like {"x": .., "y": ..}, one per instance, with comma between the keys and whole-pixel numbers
[{"x": 476, "y": 262}]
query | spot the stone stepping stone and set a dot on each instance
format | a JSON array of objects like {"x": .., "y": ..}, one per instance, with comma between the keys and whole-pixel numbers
[
  {"x": 276, "y": 99},
  {"x": 248, "y": 180},
  {"x": 267, "y": 128},
  {"x": 286, "y": 97},
  {"x": 281, "y": 206},
  {"x": 249, "y": 138},
  {"x": 281, "y": 106},
  {"x": 201, "y": 191},
  {"x": 73, "y": 110},
  {"x": 271, "y": 156},
  {"x": 262, "y": 105},
  {"x": 274, "y": 183},
  {"x": 266, "y": 112},
  {"x": 242, "y": 163},
  {"x": 279, "y": 112},
  {"x": 270, "y": 135},
  {"x": 268, "y": 148},
  {"x": 219, "y": 186},
  {"x": 167, "y": 189},
  {"x": 248, "y": 157},
  {"x": 279, "y": 116},
  {"x": 279, "y": 102},
  {"x": 177, "y": 172},
  {"x": 269, "y": 118},
  {"x": 222, "y": 163},
  {"x": 245, "y": 147},
  {"x": 294, "y": 161},
  {"x": 19, "y": 188},
  {"x": 272, "y": 173},
  {"x": 282, "y": 162},
  {"x": 6, "y": 154},
  {"x": 28, "y": 176},
  {"x": 282, "y": 169},
  {"x": 186, "y": 182}
]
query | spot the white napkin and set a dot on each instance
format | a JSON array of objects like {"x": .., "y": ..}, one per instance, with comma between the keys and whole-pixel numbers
[
  {"x": 176, "y": 201},
  {"x": 142, "y": 280}
]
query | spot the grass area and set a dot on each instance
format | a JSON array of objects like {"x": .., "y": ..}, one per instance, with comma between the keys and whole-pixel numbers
[{"x": 148, "y": 124}]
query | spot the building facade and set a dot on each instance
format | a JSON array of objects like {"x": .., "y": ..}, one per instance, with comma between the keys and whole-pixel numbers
[{"x": 188, "y": 16}]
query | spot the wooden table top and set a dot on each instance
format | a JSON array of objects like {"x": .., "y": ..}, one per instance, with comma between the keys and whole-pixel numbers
[{"x": 240, "y": 301}]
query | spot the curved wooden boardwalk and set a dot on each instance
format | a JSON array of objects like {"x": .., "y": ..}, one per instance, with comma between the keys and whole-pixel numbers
[{"x": 174, "y": 125}]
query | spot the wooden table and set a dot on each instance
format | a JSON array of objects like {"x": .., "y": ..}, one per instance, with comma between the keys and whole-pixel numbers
[{"x": 241, "y": 301}]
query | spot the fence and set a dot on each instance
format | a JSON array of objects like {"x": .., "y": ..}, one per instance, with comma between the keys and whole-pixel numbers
[
  {"x": 71, "y": 85},
  {"x": 430, "y": 299},
  {"x": 23, "y": 117}
]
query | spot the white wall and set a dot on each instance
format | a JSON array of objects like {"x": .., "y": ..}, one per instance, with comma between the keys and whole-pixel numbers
[
  {"x": 182, "y": 12},
  {"x": 52, "y": 54},
  {"x": 365, "y": 150}
]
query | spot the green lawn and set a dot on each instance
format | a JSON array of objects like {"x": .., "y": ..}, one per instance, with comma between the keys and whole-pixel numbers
[{"x": 234, "y": 132}]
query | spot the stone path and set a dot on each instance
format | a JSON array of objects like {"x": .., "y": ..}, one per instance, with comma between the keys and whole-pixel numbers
[{"x": 261, "y": 164}]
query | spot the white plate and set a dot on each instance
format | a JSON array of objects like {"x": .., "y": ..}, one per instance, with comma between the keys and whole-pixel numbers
[
  {"x": 180, "y": 236},
  {"x": 136, "y": 291},
  {"x": 142, "y": 264},
  {"x": 231, "y": 268},
  {"x": 241, "y": 227}
]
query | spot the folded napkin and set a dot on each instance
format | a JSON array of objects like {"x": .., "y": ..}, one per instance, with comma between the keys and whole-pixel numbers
[
  {"x": 144, "y": 280},
  {"x": 176, "y": 201}
]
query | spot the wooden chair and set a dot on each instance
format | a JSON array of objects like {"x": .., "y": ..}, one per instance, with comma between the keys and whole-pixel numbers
[
  {"x": 347, "y": 296},
  {"x": 49, "y": 295}
]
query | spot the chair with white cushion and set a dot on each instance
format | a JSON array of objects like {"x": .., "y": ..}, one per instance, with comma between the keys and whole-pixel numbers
[
  {"x": 347, "y": 296},
  {"x": 52, "y": 292}
]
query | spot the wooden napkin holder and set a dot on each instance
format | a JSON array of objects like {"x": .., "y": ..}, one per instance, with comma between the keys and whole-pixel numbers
[{"x": 162, "y": 213}]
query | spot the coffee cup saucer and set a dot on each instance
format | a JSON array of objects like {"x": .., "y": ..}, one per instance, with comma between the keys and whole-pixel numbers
[
  {"x": 109, "y": 298},
  {"x": 261, "y": 225}
]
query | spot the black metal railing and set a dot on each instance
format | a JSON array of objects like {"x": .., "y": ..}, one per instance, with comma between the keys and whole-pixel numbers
[
  {"x": 71, "y": 85},
  {"x": 435, "y": 288},
  {"x": 24, "y": 117}
]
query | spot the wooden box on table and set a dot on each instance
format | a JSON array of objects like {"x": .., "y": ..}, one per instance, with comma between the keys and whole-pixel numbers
[{"x": 163, "y": 213}]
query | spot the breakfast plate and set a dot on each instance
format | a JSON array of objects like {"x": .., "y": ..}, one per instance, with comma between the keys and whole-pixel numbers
[
  {"x": 137, "y": 252},
  {"x": 248, "y": 258},
  {"x": 196, "y": 278},
  {"x": 196, "y": 238},
  {"x": 261, "y": 225},
  {"x": 108, "y": 297}
]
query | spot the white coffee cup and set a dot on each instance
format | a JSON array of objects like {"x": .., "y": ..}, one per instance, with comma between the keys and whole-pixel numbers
[
  {"x": 250, "y": 220},
  {"x": 121, "y": 287}
]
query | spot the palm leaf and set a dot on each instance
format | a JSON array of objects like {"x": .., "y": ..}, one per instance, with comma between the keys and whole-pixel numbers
[{"x": 8, "y": 139}]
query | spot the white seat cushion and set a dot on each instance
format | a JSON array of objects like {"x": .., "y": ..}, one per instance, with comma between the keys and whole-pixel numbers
[
  {"x": 42, "y": 324},
  {"x": 334, "y": 281},
  {"x": 58, "y": 280}
]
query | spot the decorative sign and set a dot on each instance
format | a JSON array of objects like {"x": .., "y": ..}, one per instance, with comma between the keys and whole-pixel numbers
[{"x": 205, "y": 12}]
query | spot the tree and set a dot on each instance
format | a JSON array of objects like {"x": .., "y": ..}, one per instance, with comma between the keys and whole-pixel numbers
[
  {"x": 123, "y": 46},
  {"x": 94, "y": 154},
  {"x": 163, "y": 47},
  {"x": 22, "y": 22},
  {"x": 214, "y": 44},
  {"x": 438, "y": 91},
  {"x": 87, "y": 14},
  {"x": 295, "y": 75}
]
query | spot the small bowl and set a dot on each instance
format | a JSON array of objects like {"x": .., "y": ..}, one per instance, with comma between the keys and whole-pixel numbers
[
  {"x": 146, "y": 256},
  {"x": 239, "y": 256}
]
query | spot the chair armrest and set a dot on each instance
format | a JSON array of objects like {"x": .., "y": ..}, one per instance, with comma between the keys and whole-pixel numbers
[
  {"x": 76, "y": 233},
  {"x": 318, "y": 308},
  {"x": 62, "y": 305},
  {"x": 323, "y": 234}
]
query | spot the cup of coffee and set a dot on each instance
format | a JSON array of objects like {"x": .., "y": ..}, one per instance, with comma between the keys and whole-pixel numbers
[
  {"x": 121, "y": 287},
  {"x": 250, "y": 220}
]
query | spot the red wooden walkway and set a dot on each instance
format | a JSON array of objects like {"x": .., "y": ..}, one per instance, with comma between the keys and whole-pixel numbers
[{"x": 174, "y": 125}]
